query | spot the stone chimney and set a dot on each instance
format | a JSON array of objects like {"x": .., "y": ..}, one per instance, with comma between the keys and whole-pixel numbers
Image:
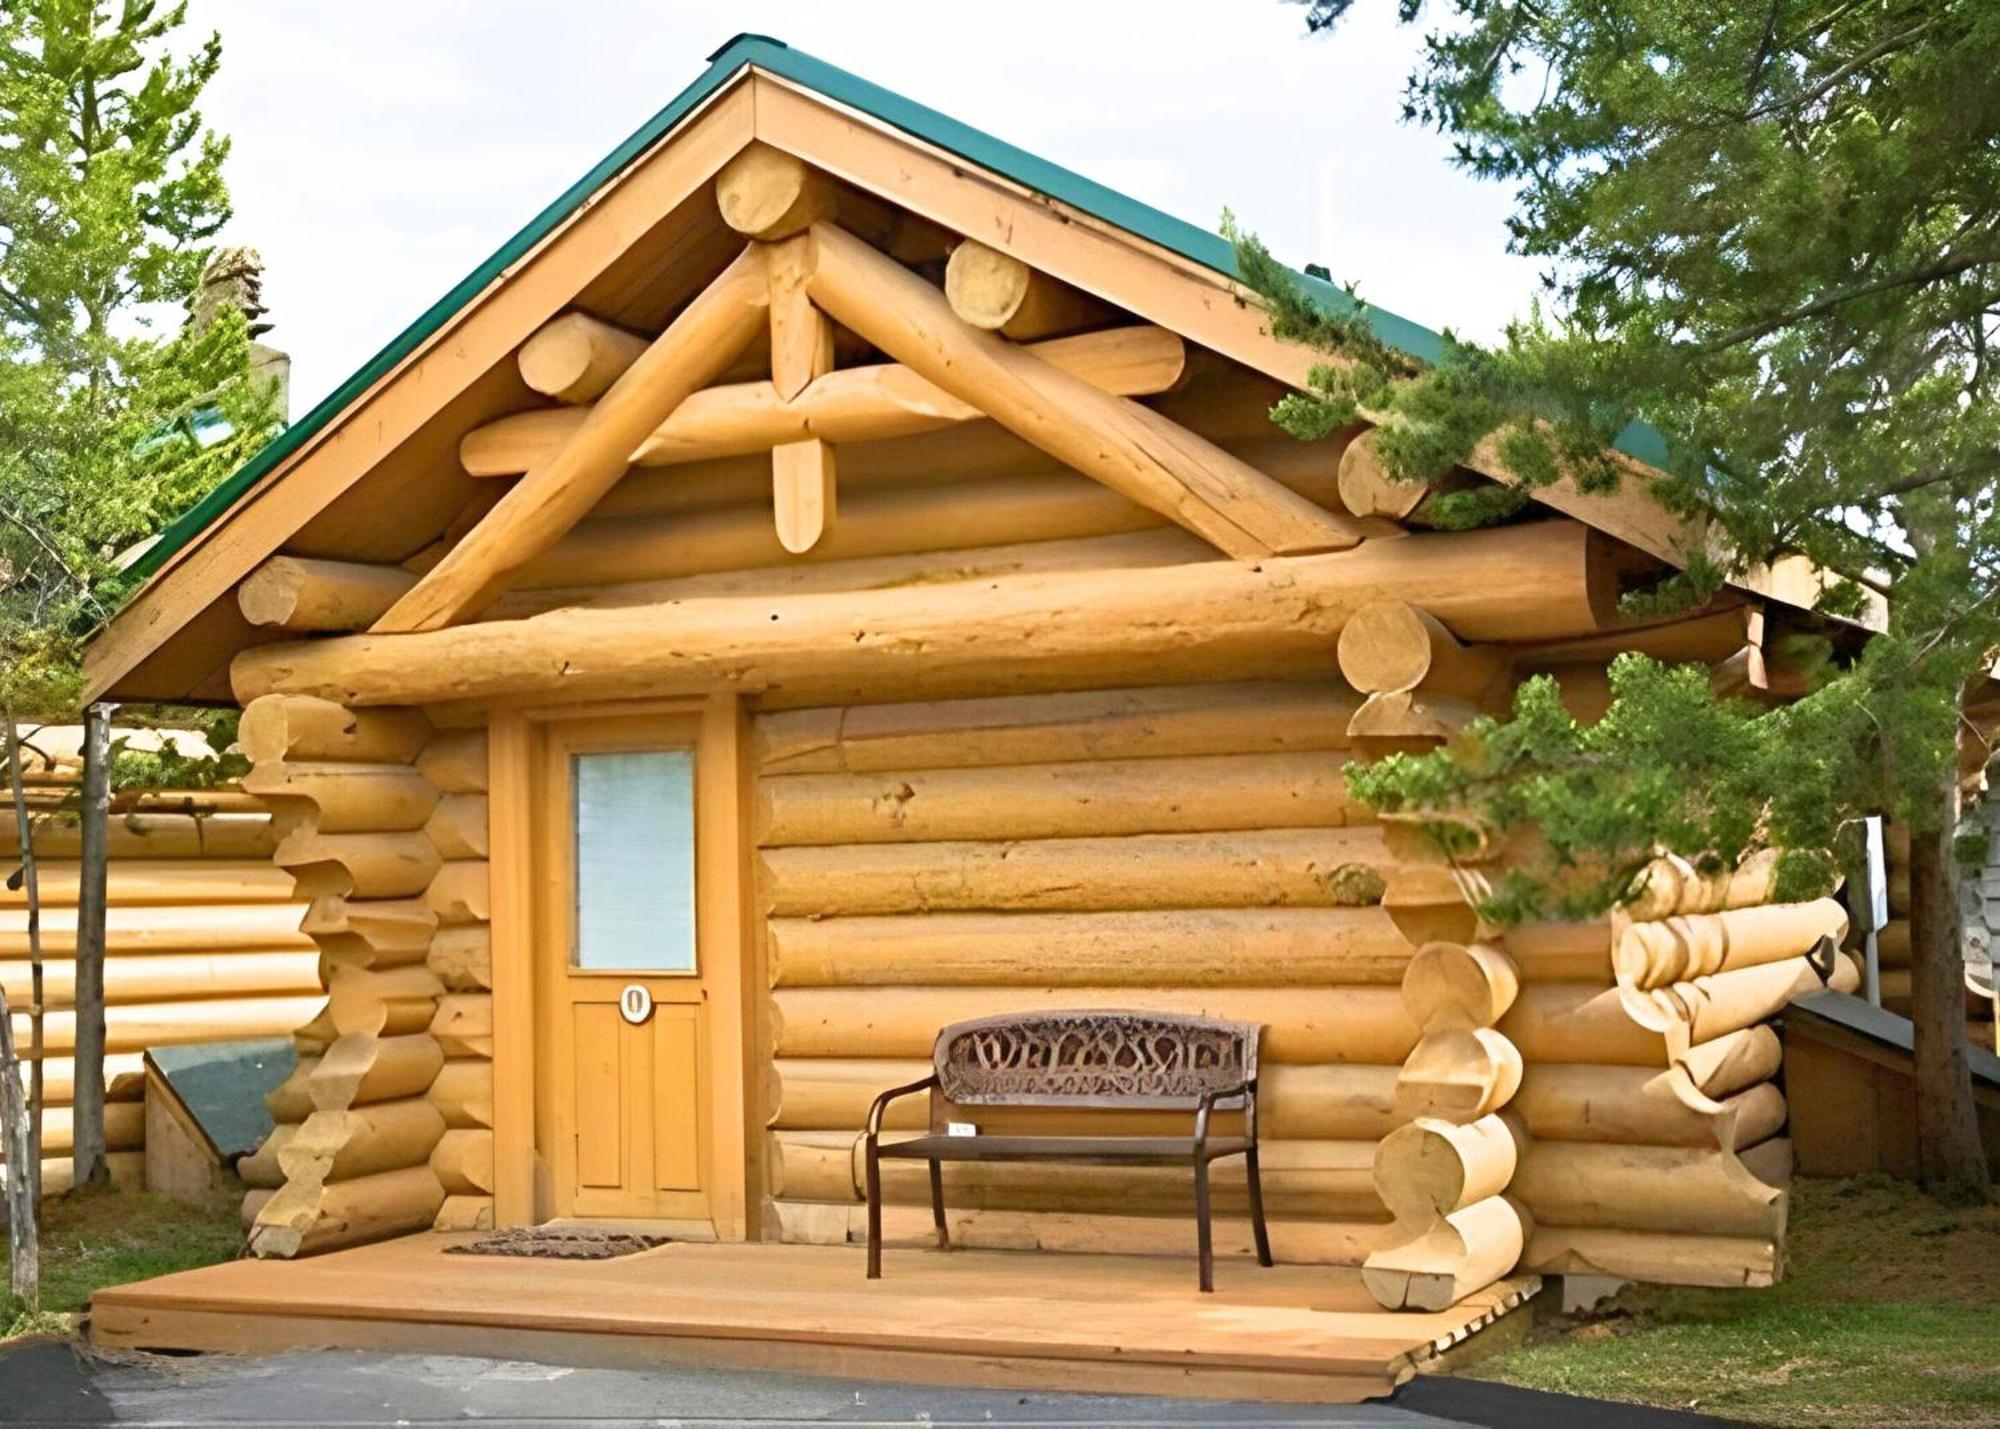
[{"x": 236, "y": 276}]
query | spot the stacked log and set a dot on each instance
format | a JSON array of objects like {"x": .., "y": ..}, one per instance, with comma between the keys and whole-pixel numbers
[
  {"x": 1185, "y": 848},
  {"x": 1442, "y": 1172},
  {"x": 1367, "y": 488},
  {"x": 349, "y": 1158},
  {"x": 461, "y": 959},
  {"x": 1892, "y": 943},
  {"x": 1655, "y": 1150},
  {"x": 202, "y": 936},
  {"x": 1422, "y": 684}
]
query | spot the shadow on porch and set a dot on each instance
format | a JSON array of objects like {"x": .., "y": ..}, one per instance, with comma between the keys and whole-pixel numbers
[{"x": 995, "y": 1319}]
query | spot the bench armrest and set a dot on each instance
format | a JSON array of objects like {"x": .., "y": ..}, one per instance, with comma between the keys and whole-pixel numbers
[
  {"x": 882, "y": 1102},
  {"x": 1206, "y": 1105}
]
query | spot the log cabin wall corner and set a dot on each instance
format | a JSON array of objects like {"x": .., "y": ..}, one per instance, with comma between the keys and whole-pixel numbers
[{"x": 835, "y": 583}]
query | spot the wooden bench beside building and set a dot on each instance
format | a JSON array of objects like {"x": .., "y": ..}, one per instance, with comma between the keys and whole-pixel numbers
[
  {"x": 1086, "y": 1060},
  {"x": 834, "y": 577}
]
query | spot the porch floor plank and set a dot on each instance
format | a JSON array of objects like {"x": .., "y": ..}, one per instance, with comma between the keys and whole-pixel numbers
[{"x": 976, "y": 1318}]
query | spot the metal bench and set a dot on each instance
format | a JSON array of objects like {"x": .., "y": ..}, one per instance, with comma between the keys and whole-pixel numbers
[{"x": 1092, "y": 1061}]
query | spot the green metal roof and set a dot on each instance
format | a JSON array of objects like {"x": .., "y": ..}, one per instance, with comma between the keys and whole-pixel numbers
[{"x": 1209, "y": 249}]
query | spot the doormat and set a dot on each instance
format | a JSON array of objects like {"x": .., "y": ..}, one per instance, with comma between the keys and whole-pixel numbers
[{"x": 560, "y": 1243}]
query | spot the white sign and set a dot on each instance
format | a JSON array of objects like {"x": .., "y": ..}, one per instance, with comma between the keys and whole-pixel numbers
[
  {"x": 1878, "y": 875},
  {"x": 635, "y": 1003}
]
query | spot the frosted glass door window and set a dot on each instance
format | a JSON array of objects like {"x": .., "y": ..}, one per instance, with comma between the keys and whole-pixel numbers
[{"x": 635, "y": 860}]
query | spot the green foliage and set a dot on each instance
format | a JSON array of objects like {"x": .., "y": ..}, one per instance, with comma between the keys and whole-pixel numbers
[
  {"x": 1669, "y": 766},
  {"x": 1773, "y": 233},
  {"x": 167, "y": 767},
  {"x": 110, "y": 191}
]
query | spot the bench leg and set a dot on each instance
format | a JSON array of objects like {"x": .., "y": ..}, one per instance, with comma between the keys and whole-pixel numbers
[
  {"x": 1204, "y": 1244},
  {"x": 874, "y": 1178},
  {"x": 937, "y": 1206},
  {"x": 1257, "y": 1208}
]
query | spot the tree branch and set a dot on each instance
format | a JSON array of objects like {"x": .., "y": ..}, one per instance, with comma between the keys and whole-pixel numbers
[
  {"x": 1985, "y": 466},
  {"x": 28, "y": 529},
  {"x": 1931, "y": 272},
  {"x": 1867, "y": 57}
]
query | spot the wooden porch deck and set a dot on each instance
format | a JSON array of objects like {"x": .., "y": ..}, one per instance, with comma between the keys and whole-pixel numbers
[{"x": 993, "y": 1319}]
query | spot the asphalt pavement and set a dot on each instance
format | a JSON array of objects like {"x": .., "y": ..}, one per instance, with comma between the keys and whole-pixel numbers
[{"x": 57, "y": 1383}]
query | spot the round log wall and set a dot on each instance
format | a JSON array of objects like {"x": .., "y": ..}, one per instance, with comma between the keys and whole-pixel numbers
[
  {"x": 386, "y": 1126},
  {"x": 1670, "y": 1166},
  {"x": 201, "y": 931},
  {"x": 1183, "y": 848}
]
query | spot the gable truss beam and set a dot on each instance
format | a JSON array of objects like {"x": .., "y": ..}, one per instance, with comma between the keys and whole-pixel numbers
[
  {"x": 799, "y": 271},
  {"x": 1092, "y": 255},
  {"x": 1130, "y": 448},
  {"x": 694, "y": 350},
  {"x": 817, "y": 266},
  {"x": 875, "y": 403}
]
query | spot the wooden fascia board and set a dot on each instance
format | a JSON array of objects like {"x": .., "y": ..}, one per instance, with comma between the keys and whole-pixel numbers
[
  {"x": 517, "y": 301},
  {"x": 1162, "y": 286}
]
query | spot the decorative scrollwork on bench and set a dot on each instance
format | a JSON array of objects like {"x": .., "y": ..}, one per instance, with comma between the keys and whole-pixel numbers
[{"x": 1093, "y": 1058}]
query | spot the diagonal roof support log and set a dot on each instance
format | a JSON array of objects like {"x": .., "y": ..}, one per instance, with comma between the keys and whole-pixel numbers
[
  {"x": 693, "y": 351},
  {"x": 1130, "y": 448}
]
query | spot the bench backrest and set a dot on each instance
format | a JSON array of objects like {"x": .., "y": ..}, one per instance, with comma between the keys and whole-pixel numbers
[{"x": 1094, "y": 1058}]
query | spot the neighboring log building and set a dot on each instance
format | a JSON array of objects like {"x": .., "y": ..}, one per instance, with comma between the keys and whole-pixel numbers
[
  {"x": 202, "y": 934},
  {"x": 834, "y": 574}
]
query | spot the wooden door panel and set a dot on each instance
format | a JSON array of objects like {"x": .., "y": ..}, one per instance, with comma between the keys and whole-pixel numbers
[
  {"x": 677, "y": 1094},
  {"x": 600, "y": 1095},
  {"x": 631, "y": 1126}
]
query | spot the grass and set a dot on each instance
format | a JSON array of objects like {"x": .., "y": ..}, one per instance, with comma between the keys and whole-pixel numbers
[
  {"x": 97, "y": 1238},
  {"x": 1889, "y": 1314}
]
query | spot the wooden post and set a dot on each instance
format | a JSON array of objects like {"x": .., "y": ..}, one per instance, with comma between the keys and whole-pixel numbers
[
  {"x": 577, "y": 357},
  {"x": 1367, "y": 489},
  {"x": 20, "y": 1112},
  {"x": 768, "y": 194},
  {"x": 297, "y": 593},
  {"x": 87, "y": 1099},
  {"x": 802, "y": 473},
  {"x": 23, "y": 1246},
  {"x": 31, "y": 888}
]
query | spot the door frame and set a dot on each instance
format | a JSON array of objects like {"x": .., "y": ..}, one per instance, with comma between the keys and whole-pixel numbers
[{"x": 515, "y": 741}]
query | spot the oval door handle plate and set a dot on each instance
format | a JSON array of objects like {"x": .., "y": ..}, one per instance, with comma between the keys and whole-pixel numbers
[{"x": 635, "y": 1003}]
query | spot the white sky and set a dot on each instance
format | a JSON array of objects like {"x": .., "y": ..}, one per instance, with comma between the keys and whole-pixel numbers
[{"x": 383, "y": 148}]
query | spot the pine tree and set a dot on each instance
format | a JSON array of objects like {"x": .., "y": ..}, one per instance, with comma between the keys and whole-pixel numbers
[
  {"x": 111, "y": 190},
  {"x": 1773, "y": 233}
]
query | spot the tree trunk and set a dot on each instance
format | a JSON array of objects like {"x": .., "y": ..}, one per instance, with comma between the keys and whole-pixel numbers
[
  {"x": 1950, "y": 1159},
  {"x": 20, "y": 1113},
  {"x": 87, "y": 1153},
  {"x": 24, "y": 1258},
  {"x": 24, "y": 830}
]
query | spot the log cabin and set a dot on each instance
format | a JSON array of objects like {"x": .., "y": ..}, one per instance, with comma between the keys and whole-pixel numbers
[{"x": 835, "y": 574}]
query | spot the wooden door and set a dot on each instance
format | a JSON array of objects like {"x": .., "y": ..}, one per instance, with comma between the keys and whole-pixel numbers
[{"x": 625, "y": 970}]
